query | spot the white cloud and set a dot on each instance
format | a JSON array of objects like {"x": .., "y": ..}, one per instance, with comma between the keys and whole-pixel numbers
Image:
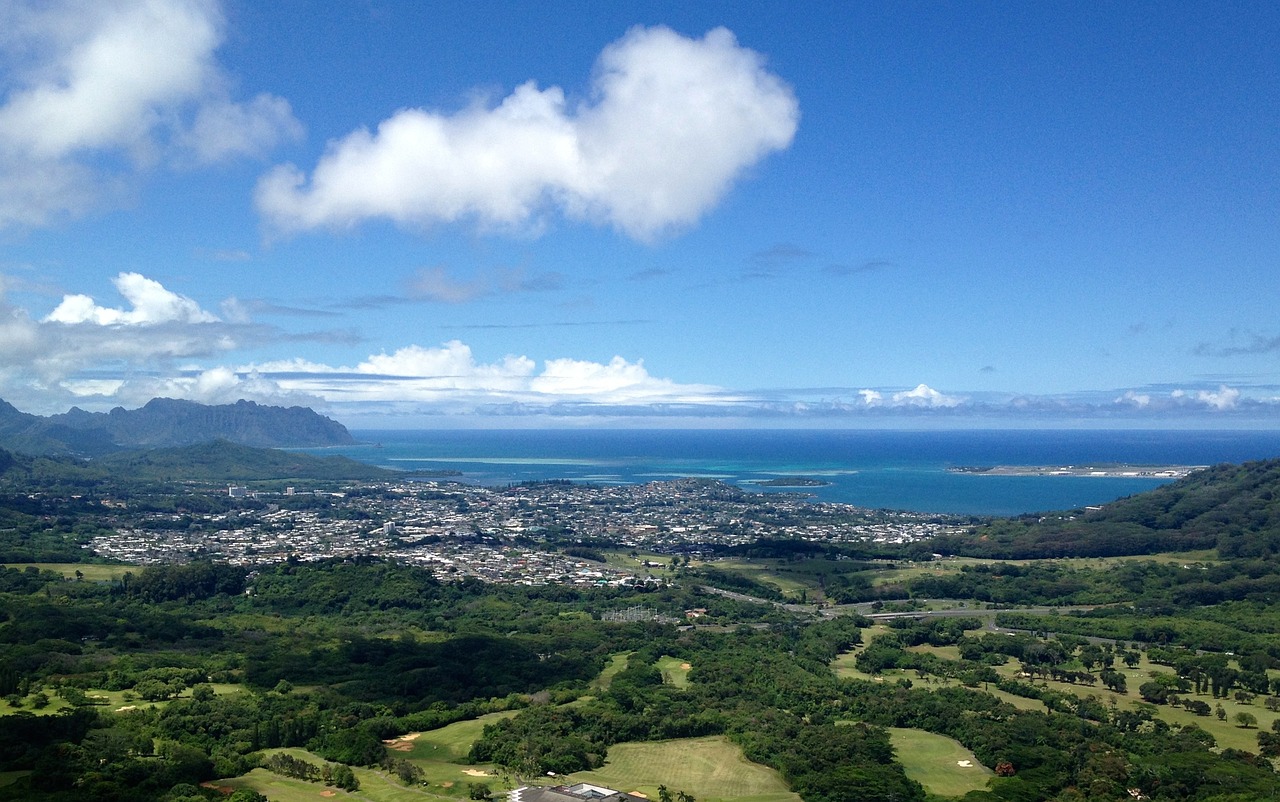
[
  {"x": 224, "y": 130},
  {"x": 132, "y": 78},
  {"x": 151, "y": 304},
  {"x": 450, "y": 374},
  {"x": 1137, "y": 399},
  {"x": 671, "y": 123},
  {"x": 1223, "y": 398},
  {"x": 921, "y": 397}
]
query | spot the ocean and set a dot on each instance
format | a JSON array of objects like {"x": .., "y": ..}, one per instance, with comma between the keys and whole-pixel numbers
[{"x": 904, "y": 470}]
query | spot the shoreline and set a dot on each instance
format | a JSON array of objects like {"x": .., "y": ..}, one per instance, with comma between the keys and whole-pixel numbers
[{"x": 1102, "y": 471}]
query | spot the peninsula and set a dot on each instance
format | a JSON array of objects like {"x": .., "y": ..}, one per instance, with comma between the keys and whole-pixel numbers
[{"x": 1103, "y": 470}]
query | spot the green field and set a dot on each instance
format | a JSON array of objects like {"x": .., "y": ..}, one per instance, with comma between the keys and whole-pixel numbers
[
  {"x": 943, "y": 766},
  {"x": 113, "y": 701},
  {"x": 451, "y": 742},
  {"x": 674, "y": 671},
  {"x": 91, "y": 572},
  {"x": 375, "y": 785},
  {"x": 10, "y": 777},
  {"x": 710, "y": 769},
  {"x": 617, "y": 662},
  {"x": 845, "y": 666},
  {"x": 1226, "y": 733}
]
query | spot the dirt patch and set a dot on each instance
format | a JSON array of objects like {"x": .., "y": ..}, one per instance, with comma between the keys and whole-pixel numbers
[
  {"x": 226, "y": 790},
  {"x": 476, "y": 773},
  {"x": 328, "y": 793},
  {"x": 447, "y": 784}
]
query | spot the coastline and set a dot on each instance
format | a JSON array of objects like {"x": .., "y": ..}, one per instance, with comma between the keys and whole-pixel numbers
[{"x": 1103, "y": 471}]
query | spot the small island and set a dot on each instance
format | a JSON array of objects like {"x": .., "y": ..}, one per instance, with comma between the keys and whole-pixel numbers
[
  {"x": 789, "y": 481},
  {"x": 1103, "y": 470}
]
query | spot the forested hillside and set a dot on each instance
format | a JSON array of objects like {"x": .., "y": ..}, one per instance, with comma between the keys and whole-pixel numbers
[{"x": 1233, "y": 508}]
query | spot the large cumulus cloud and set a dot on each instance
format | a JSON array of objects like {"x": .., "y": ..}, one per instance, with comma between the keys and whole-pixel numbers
[
  {"x": 92, "y": 92},
  {"x": 670, "y": 124}
]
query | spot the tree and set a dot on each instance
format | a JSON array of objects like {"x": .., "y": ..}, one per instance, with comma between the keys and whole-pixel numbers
[
  {"x": 345, "y": 778},
  {"x": 1246, "y": 720}
]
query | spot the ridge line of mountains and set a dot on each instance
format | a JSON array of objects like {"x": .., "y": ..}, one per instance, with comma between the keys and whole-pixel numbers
[{"x": 166, "y": 423}]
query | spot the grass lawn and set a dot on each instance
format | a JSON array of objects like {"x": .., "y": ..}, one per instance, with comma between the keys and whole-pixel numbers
[
  {"x": 92, "y": 572},
  {"x": 1225, "y": 732},
  {"x": 941, "y": 765},
  {"x": 437, "y": 753},
  {"x": 710, "y": 769},
  {"x": 451, "y": 742},
  {"x": 11, "y": 777},
  {"x": 104, "y": 701},
  {"x": 617, "y": 662},
  {"x": 674, "y": 671},
  {"x": 376, "y": 786}
]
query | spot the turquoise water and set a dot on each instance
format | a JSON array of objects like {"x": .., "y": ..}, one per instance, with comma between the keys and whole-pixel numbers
[{"x": 882, "y": 469}]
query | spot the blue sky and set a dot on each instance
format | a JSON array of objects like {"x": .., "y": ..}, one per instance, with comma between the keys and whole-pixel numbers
[{"x": 645, "y": 214}]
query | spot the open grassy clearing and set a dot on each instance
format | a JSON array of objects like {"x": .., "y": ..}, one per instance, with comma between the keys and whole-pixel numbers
[
  {"x": 617, "y": 662},
  {"x": 91, "y": 572},
  {"x": 1227, "y": 733},
  {"x": 375, "y": 785},
  {"x": 674, "y": 671},
  {"x": 636, "y": 564},
  {"x": 791, "y": 578},
  {"x": 103, "y": 700},
  {"x": 710, "y": 769},
  {"x": 942, "y": 765},
  {"x": 11, "y": 777},
  {"x": 845, "y": 666},
  {"x": 449, "y": 743}
]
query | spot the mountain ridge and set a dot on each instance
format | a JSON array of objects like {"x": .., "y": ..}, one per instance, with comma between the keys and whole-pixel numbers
[{"x": 166, "y": 423}]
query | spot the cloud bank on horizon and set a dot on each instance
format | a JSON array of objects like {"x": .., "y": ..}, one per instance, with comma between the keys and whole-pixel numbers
[
  {"x": 87, "y": 354},
  {"x": 635, "y": 223}
]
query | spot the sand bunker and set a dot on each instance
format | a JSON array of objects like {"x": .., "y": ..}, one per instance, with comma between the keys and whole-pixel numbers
[
  {"x": 126, "y": 707},
  {"x": 965, "y": 764},
  {"x": 686, "y": 666},
  {"x": 404, "y": 743},
  {"x": 476, "y": 773}
]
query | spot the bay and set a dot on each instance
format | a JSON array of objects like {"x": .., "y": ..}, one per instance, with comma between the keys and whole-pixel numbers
[{"x": 905, "y": 470}]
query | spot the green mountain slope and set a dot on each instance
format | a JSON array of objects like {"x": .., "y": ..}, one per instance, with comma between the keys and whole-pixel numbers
[
  {"x": 164, "y": 422},
  {"x": 1234, "y": 508},
  {"x": 215, "y": 462}
]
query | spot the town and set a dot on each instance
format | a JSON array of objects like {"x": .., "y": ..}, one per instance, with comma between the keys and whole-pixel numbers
[{"x": 520, "y": 534}]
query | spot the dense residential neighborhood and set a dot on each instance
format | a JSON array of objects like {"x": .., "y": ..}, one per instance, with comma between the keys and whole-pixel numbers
[{"x": 499, "y": 534}]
